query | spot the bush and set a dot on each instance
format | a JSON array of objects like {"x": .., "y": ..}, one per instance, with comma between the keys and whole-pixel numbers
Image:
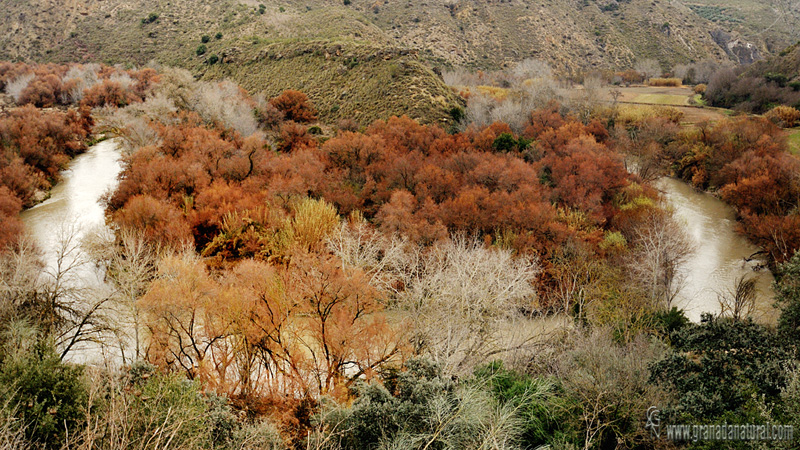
[
  {"x": 49, "y": 395},
  {"x": 295, "y": 105},
  {"x": 201, "y": 50},
  {"x": 783, "y": 116},
  {"x": 505, "y": 142},
  {"x": 205, "y": 38},
  {"x": 213, "y": 59},
  {"x": 152, "y": 17},
  {"x": 700, "y": 89},
  {"x": 675, "y": 82},
  {"x": 417, "y": 405},
  {"x": 744, "y": 356},
  {"x": 218, "y": 36}
]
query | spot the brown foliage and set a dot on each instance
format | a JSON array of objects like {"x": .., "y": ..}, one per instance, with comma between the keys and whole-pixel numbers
[
  {"x": 783, "y": 116},
  {"x": 155, "y": 220},
  {"x": 10, "y": 225},
  {"x": 295, "y": 106},
  {"x": 673, "y": 82},
  {"x": 108, "y": 93},
  {"x": 35, "y": 145}
]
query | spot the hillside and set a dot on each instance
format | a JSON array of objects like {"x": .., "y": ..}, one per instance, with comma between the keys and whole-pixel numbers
[
  {"x": 786, "y": 63},
  {"x": 570, "y": 34},
  {"x": 355, "y": 81}
]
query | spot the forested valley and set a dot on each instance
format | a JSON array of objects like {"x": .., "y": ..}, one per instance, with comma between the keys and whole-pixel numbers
[{"x": 271, "y": 281}]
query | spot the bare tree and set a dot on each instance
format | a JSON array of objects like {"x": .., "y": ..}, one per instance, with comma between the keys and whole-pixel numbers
[
  {"x": 648, "y": 67},
  {"x": 15, "y": 87},
  {"x": 610, "y": 383},
  {"x": 62, "y": 297},
  {"x": 129, "y": 264},
  {"x": 661, "y": 247},
  {"x": 458, "y": 296}
]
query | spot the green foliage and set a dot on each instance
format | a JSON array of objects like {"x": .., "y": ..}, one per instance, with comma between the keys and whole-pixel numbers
[
  {"x": 315, "y": 130},
  {"x": 218, "y": 36},
  {"x": 213, "y": 59},
  {"x": 205, "y": 39},
  {"x": 540, "y": 403},
  {"x": 201, "y": 49},
  {"x": 457, "y": 114},
  {"x": 417, "y": 407},
  {"x": 504, "y": 143},
  {"x": 777, "y": 78},
  {"x": 716, "y": 366},
  {"x": 670, "y": 321},
  {"x": 787, "y": 289},
  {"x": 346, "y": 2},
  {"x": 49, "y": 395}
]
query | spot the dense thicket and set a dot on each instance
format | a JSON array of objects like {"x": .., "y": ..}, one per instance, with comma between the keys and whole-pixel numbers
[{"x": 34, "y": 146}]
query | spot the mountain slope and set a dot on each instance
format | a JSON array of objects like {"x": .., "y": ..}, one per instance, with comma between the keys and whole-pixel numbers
[{"x": 572, "y": 35}]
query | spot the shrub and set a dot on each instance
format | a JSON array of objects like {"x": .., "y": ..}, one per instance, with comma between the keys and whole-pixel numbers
[
  {"x": 201, "y": 50},
  {"x": 213, "y": 59},
  {"x": 107, "y": 93},
  {"x": 218, "y": 36},
  {"x": 783, "y": 116},
  {"x": 295, "y": 105},
  {"x": 152, "y": 17},
  {"x": 505, "y": 142},
  {"x": 205, "y": 38},
  {"x": 415, "y": 406},
  {"x": 676, "y": 82},
  {"x": 742, "y": 355},
  {"x": 49, "y": 395},
  {"x": 700, "y": 89}
]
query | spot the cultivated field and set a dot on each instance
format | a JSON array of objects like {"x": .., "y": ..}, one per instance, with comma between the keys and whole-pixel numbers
[{"x": 677, "y": 97}]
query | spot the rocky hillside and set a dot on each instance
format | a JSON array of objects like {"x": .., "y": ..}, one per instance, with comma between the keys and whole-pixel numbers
[{"x": 571, "y": 34}]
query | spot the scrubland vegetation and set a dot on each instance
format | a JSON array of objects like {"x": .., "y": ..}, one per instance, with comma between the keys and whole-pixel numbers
[{"x": 277, "y": 282}]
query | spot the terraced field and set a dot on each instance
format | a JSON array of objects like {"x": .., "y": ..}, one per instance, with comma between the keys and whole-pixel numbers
[{"x": 677, "y": 97}]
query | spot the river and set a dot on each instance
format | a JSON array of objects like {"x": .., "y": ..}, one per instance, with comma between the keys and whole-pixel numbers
[
  {"x": 72, "y": 210},
  {"x": 721, "y": 254}
]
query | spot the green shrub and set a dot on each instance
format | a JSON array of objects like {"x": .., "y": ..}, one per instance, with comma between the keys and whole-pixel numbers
[
  {"x": 457, "y": 114},
  {"x": 787, "y": 299},
  {"x": 205, "y": 38},
  {"x": 744, "y": 357},
  {"x": 218, "y": 36},
  {"x": 213, "y": 59},
  {"x": 49, "y": 396},
  {"x": 201, "y": 49},
  {"x": 541, "y": 404},
  {"x": 315, "y": 130},
  {"x": 504, "y": 143},
  {"x": 416, "y": 406}
]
